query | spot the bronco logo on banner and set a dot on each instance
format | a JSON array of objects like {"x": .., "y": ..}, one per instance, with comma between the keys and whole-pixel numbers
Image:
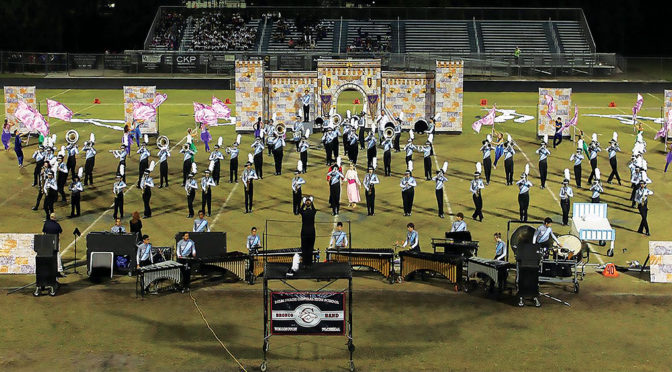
[
  {"x": 308, "y": 313},
  {"x": 14, "y": 95},
  {"x": 139, "y": 94}
]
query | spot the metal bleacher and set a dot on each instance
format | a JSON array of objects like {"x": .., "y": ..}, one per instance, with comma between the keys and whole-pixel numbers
[
  {"x": 374, "y": 30},
  {"x": 572, "y": 37},
  {"x": 437, "y": 36},
  {"x": 322, "y": 45},
  {"x": 505, "y": 36}
]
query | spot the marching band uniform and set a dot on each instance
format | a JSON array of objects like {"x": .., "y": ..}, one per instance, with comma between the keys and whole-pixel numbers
[
  {"x": 270, "y": 131},
  {"x": 362, "y": 129},
  {"x": 41, "y": 181},
  {"x": 51, "y": 192},
  {"x": 438, "y": 190},
  {"x": 297, "y": 181},
  {"x": 593, "y": 150},
  {"x": 523, "y": 196},
  {"x": 635, "y": 177},
  {"x": 500, "y": 250},
  {"x": 412, "y": 241},
  {"x": 278, "y": 152},
  {"x": 612, "y": 149},
  {"x": 339, "y": 240},
  {"x": 217, "y": 156},
  {"x": 118, "y": 190},
  {"x": 543, "y": 164},
  {"x": 577, "y": 159},
  {"x": 146, "y": 184},
  {"x": 346, "y": 140},
  {"x": 72, "y": 158},
  {"x": 397, "y": 135},
  {"x": 387, "y": 156},
  {"x": 641, "y": 198},
  {"x": 427, "y": 160},
  {"x": 475, "y": 188},
  {"x": 248, "y": 177},
  {"x": 121, "y": 155},
  {"x": 190, "y": 187},
  {"x": 258, "y": 146},
  {"x": 144, "y": 255},
  {"x": 335, "y": 179},
  {"x": 353, "y": 154},
  {"x": 253, "y": 243},
  {"x": 543, "y": 236},
  {"x": 381, "y": 120},
  {"x": 409, "y": 148},
  {"x": 334, "y": 143},
  {"x": 305, "y": 101},
  {"x": 186, "y": 249},
  {"x": 371, "y": 150},
  {"x": 39, "y": 163},
  {"x": 118, "y": 229},
  {"x": 61, "y": 178},
  {"x": 307, "y": 213},
  {"x": 207, "y": 183},
  {"x": 508, "y": 163},
  {"x": 370, "y": 180},
  {"x": 89, "y": 163},
  {"x": 75, "y": 196},
  {"x": 486, "y": 149},
  {"x": 186, "y": 163},
  {"x": 303, "y": 153},
  {"x": 163, "y": 155},
  {"x": 144, "y": 161},
  {"x": 327, "y": 139},
  {"x": 566, "y": 194},
  {"x": 201, "y": 225},
  {"x": 407, "y": 185},
  {"x": 597, "y": 190},
  {"x": 458, "y": 226},
  {"x": 297, "y": 131}
]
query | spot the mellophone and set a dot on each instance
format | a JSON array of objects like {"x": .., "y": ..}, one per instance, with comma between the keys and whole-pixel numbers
[
  {"x": 284, "y": 255},
  {"x": 166, "y": 270},
  {"x": 447, "y": 265},
  {"x": 381, "y": 260},
  {"x": 234, "y": 262}
]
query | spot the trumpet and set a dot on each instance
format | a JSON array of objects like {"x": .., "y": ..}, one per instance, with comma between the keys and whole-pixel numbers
[
  {"x": 162, "y": 142},
  {"x": 71, "y": 136}
]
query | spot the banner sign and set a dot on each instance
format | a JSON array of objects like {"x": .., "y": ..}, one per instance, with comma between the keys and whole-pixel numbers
[
  {"x": 142, "y": 94},
  {"x": 308, "y": 313},
  {"x": 561, "y": 102},
  {"x": 17, "y": 254},
  {"x": 187, "y": 62},
  {"x": 14, "y": 95},
  {"x": 660, "y": 259}
]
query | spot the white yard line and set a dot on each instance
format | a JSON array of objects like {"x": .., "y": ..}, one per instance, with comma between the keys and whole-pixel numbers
[
  {"x": 226, "y": 202},
  {"x": 58, "y": 94},
  {"x": 658, "y": 98}
]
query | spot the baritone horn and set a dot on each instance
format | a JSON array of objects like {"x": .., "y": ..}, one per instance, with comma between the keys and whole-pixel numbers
[
  {"x": 71, "y": 136},
  {"x": 280, "y": 129},
  {"x": 389, "y": 131},
  {"x": 162, "y": 142}
]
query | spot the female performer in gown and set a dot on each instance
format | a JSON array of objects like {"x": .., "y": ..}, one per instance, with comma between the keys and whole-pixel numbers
[
  {"x": 6, "y": 135},
  {"x": 353, "y": 186}
]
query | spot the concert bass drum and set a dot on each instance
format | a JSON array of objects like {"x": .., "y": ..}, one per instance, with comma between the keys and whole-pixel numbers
[
  {"x": 522, "y": 235},
  {"x": 570, "y": 247}
]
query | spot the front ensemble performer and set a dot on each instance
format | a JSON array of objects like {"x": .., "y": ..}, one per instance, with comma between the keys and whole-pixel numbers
[{"x": 201, "y": 224}]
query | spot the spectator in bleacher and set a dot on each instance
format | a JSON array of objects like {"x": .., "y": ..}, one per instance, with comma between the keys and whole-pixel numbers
[
  {"x": 516, "y": 55},
  {"x": 216, "y": 32}
]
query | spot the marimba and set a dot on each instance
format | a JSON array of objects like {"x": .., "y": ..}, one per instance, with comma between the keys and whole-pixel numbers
[
  {"x": 234, "y": 262},
  {"x": 448, "y": 266},
  {"x": 496, "y": 270},
  {"x": 167, "y": 270},
  {"x": 381, "y": 260}
]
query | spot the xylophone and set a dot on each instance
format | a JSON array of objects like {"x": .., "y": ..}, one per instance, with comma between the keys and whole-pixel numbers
[
  {"x": 446, "y": 265},
  {"x": 169, "y": 270},
  {"x": 284, "y": 255},
  {"x": 234, "y": 262},
  {"x": 381, "y": 260},
  {"x": 496, "y": 270}
]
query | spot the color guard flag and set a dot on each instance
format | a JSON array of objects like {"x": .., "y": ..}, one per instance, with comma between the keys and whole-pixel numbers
[
  {"x": 143, "y": 111},
  {"x": 574, "y": 120},
  {"x": 638, "y": 104},
  {"x": 58, "y": 110},
  {"x": 488, "y": 119},
  {"x": 204, "y": 114},
  {"x": 40, "y": 124},
  {"x": 159, "y": 98},
  {"x": 551, "y": 106},
  {"x": 221, "y": 109},
  {"x": 667, "y": 126},
  {"x": 31, "y": 118}
]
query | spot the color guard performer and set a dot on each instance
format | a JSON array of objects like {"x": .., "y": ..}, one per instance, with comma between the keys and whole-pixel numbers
[
  {"x": 577, "y": 158},
  {"x": 144, "y": 159},
  {"x": 190, "y": 187},
  {"x": 187, "y": 161},
  {"x": 612, "y": 149},
  {"x": 475, "y": 188},
  {"x": 258, "y": 147},
  {"x": 557, "y": 137},
  {"x": 593, "y": 149},
  {"x": 486, "y": 149},
  {"x": 163, "y": 154},
  {"x": 596, "y": 188},
  {"x": 407, "y": 185},
  {"x": 146, "y": 185},
  {"x": 38, "y": 155},
  {"x": 524, "y": 186},
  {"x": 207, "y": 183},
  {"x": 335, "y": 178},
  {"x": 387, "y": 156},
  {"x": 370, "y": 181},
  {"x": 508, "y": 160},
  {"x": 248, "y": 177},
  {"x": 339, "y": 239},
  {"x": 459, "y": 225},
  {"x": 543, "y": 164},
  {"x": 566, "y": 194},
  {"x": 641, "y": 198},
  {"x": 201, "y": 224},
  {"x": 440, "y": 178},
  {"x": 118, "y": 190},
  {"x": 297, "y": 194},
  {"x": 75, "y": 194},
  {"x": 216, "y": 156},
  {"x": 90, "y": 162}
]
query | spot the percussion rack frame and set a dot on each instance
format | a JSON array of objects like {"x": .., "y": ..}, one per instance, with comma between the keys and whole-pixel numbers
[
  {"x": 508, "y": 230},
  {"x": 265, "y": 237}
]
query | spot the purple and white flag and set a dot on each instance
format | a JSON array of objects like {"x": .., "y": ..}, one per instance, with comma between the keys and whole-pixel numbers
[
  {"x": 574, "y": 120},
  {"x": 666, "y": 128},
  {"x": 31, "y": 118},
  {"x": 550, "y": 102},
  {"x": 40, "y": 124},
  {"x": 159, "y": 98},
  {"x": 638, "y": 105},
  {"x": 488, "y": 119},
  {"x": 204, "y": 114},
  {"x": 143, "y": 111},
  {"x": 58, "y": 110},
  {"x": 221, "y": 109}
]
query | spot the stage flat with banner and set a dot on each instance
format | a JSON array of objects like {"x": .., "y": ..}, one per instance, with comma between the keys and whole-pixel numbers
[
  {"x": 144, "y": 94},
  {"x": 14, "y": 95},
  {"x": 660, "y": 259},
  {"x": 308, "y": 313},
  {"x": 667, "y": 106},
  {"x": 562, "y": 97},
  {"x": 17, "y": 254}
]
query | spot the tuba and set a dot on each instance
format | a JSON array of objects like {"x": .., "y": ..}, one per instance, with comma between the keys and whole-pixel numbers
[
  {"x": 280, "y": 129},
  {"x": 338, "y": 119},
  {"x": 162, "y": 142},
  {"x": 420, "y": 126},
  {"x": 388, "y": 132},
  {"x": 71, "y": 136}
]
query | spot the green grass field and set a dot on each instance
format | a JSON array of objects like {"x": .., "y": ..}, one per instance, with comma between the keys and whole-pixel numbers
[{"x": 613, "y": 323}]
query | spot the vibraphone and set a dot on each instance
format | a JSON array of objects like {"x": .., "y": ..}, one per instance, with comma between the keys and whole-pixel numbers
[
  {"x": 168, "y": 270},
  {"x": 463, "y": 248},
  {"x": 496, "y": 270},
  {"x": 234, "y": 262},
  {"x": 276, "y": 256},
  {"x": 446, "y": 265},
  {"x": 381, "y": 260}
]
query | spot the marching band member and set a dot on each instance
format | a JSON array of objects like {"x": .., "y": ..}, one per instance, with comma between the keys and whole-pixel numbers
[
  {"x": 269, "y": 129},
  {"x": 121, "y": 154},
  {"x": 146, "y": 185},
  {"x": 307, "y": 212},
  {"x": 258, "y": 147},
  {"x": 297, "y": 130},
  {"x": 297, "y": 181},
  {"x": 41, "y": 181},
  {"x": 334, "y": 143},
  {"x": 303, "y": 151},
  {"x": 61, "y": 177},
  {"x": 72, "y": 158},
  {"x": 362, "y": 127},
  {"x": 508, "y": 160},
  {"x": 39, "y": 163},
  {"x": 381, "y": 120},
  {"x": 440, "y": 178},
  {"x": 326, "y": 142},
  {"x": 543, "y": 236},
  {"x": 397, "y": 133},
  {"x": 412, "y": 238},
  {"x": 475, "y": 188},
  {"x": 577, "y": 158},
  {"x": 75, "y": 195},
  {"x": 51, "y": 192},
  {"x": 409, "y": 149},
  {"x": 144, "y": 159},
  {"x": 543, "y": 163},
  {"x": 335, "y": 178},
  {"x": 641, "y": 198},
  {"x": 486, "y": 149},
  {"x": 187, "y": 161},
  {"x": 500, "y": 247},
  {"x": 387, "y": 156},
  {"x": 371, "y": 150},
  {"x": 248, "y": 177},
  {"x": 207, "y": 183},
  {"x": 118, "y": 190},
  {"x": 566, "y": 194},
  {"x": 346, "y": 135},
  {"x": 339, "y": 239},
  {"x": 431, "y": 127},
  {"x": 90, "y": 162},
  {"x": 593, "y": 149},
  {"x": 459, "y": 225},
  {"x": 635, "y": 177},
  {"x": 407, "y": 185},
  {"x": 305, "y": 101},
  {"x": 524, "y": 186},
  {"x": 144, "y": 255},
  {"x": 186, "y": 249},
  {"x": 278, "y": 152},
  {"x": 596, "y": 188},
  {"x": 612, "y": 149},
  {"x": 427, "y": 159},
  {"x": 118, "y": 228},
  {"x": 163, "y": 155},
  {"x": 126, "y": 140},
  {"x": 190, "y": 187},
  {"x": 216, "y": 156},
  {"x": 353, "y": 153},
  {"x": 201, "y": 224},
  {"x": 370, "y": 181}
]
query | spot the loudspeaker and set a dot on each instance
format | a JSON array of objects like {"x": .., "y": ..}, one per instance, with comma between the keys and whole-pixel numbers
[
  {"x": 46, "y": 270},
  {"x": 528, "y": 282},
  {"x": 528, "y": 255},
  {"x": 45, "y": 245},
  {"x": 119, "y": 244}
]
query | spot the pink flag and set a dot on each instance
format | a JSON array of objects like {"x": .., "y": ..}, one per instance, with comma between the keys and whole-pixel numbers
[
  {"x": 58, "y": 110},
  {"x": 159, "y": 98},
  {"x": 40, "y": 124},
  {"x": 574, "y": 120},
  {"x": 667, "y": 126},
  {"x": 488, "y": 119},
  {"x": 204, "y": 114},
  {"x": 223, "y": 111},
  {"x": 143, "y": 111},
  {"x": 31, "y": 118},
  {"x": 638, "y": 105},
  {"x": 551, "y": 106}
]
